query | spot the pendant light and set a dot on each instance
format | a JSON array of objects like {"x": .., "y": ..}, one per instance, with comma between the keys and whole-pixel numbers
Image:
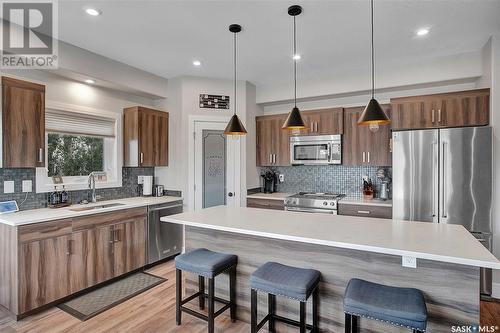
[
  {"x": 373, "y": 115},
  {"x": 235, "y": 127},
  {"x": 294, "y": 120}
]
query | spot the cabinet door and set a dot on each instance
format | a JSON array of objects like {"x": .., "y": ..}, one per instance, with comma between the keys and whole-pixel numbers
[
  {"x": 413, "y": 114},
  {"x": 466, "y": 110},
  {"x": 330, "y": 121},
  {"x": 99, "y": 259},
  {"x": 43, "y": 272},
  {"x": 355, "y": 138},
  {"x": 161, "y": 139},
  {"x": 281, "y": 146},
  {"x": 264, "y": 141},
  {"x": 378, "y": 150},
  {"x": 146, "y": 138},
  {"x": 129, "y": 246},
  {"x": 23, "y": 120}
]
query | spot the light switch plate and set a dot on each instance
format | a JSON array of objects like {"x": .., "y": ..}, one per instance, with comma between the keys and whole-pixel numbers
[
  {"x": 140, "y": 179},
  {"x": 27, "y": 186},
  {"x": 408, "y": 261},
  {"x": 281, "y": 178},
  {"x": 8, "y": 186}
]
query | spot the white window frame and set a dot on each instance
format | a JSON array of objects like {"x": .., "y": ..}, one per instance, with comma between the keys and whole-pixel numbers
[{"x": 44, "y": 182}]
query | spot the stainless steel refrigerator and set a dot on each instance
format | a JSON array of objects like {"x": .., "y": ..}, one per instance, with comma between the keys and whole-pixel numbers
[{"x": 445, "y": 176}]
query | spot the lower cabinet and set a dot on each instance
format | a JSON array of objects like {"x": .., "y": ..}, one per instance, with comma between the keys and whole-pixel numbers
[
  {"x": 383, "y": 212},
  {"x": 102, "y": 247},
  {"x": 266, "y": 203}
]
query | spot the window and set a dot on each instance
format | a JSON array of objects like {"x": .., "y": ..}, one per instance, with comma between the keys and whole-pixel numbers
[
  {"x": 74, "y": 155},
  {"x": 80, "y": 140}
]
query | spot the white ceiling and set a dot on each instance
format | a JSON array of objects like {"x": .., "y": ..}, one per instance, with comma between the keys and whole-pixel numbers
[{"x": 164, "y": 37}]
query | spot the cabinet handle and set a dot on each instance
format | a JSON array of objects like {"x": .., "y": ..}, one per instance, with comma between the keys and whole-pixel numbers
[
  {"x": 112, "y": 236},
  {"x": 312, "y": 126},
  {"x": 364, "y": 157},
  {"x": 68, "y": 250},
  {"x": 40, "y": 155},
  {"x": 316, "y": 125},
  {"x": 439, "y": 115},
  {"x": 274, "y": 158},
  {"x": 142, "y": 158},
  {"x": 368, "y": 155},
  {"x": 363, "y": 212},
  {"x": 432, "y": 116},
  {"x": 270, "y": 158}
]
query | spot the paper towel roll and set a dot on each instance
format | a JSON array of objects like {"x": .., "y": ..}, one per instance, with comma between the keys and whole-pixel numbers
[{"x": 147, "y": 187}]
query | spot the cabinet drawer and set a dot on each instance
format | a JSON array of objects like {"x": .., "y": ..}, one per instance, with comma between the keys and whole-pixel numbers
[
  {"x": 267, "y": 204},
  {"x": 96, "y": 220},
  {"x": 365, "y": 211},
  {"x": 37, "y": 231}
]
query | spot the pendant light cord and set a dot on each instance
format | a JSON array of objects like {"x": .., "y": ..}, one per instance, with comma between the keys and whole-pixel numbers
[
  {"x": 234, "y": 72},
  {"x": 373, "y": 55},
  {"x": 295, "y": 62}
]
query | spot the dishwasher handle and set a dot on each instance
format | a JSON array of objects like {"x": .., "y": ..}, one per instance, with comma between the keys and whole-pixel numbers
[{"x": 165, "y": 207}]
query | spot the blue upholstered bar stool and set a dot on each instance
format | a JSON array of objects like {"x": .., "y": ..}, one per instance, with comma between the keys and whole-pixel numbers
[
  {"x": 280, "y": 280},
  {"x": 397, "y": 306},
  {"x": 207, "y": 265}
]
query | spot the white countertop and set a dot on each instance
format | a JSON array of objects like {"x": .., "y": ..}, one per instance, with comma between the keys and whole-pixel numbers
[
  {"x": 432, "y": 241},
  {"x": 354, "y": 200},
  {"x": 269, "y": 196},
  {"x": 49, "y": 214}
]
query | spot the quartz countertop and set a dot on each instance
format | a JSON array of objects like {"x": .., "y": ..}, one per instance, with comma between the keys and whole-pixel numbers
[
  {"x": 269, "y": 196},
  {"x": 357, "y": 200},
  {"x": 422, "y": 240},
  {"x": 49, "y": 214}
]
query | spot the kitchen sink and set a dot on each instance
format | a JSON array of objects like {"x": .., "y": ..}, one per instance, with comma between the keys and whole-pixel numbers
[{"x": 80, "y": 209}]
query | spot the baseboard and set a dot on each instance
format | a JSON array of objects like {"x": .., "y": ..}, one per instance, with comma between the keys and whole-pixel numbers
[{"x": 495, "y": 290}]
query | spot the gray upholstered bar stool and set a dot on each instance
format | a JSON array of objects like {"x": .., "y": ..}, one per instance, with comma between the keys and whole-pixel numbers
[
  {"x": 207, "y": 265},
  {"x": 280, "y": 280},
  {"x": 397, "y": 306}
]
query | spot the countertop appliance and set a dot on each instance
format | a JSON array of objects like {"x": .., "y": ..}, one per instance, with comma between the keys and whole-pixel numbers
[
  {"x": 164, "y": 239},
  {"x": 445, "y": 176},
  {"x": 317, "y": 149},
  {"x": 158, "y": 190},
  {"x": 270, "y": 181},
  {"x": 310, "y": 202}
]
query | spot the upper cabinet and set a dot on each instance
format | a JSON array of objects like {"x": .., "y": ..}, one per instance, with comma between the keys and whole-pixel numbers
[
  {"x": 23, "y": 123},
  {"x": 145, "y": 137},
  {"x": 323, "y": 121},
  {"x": 458, "y": 109},
  {"x": 273, "y": 143},
  {"x": 362, "y": 146}
]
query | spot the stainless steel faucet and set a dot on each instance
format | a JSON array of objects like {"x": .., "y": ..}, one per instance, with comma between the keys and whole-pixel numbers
[{"x": 92, "y": 186}]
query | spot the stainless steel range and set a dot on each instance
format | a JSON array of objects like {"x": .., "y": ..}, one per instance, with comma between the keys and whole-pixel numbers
[{"x": 325, "y": 203}]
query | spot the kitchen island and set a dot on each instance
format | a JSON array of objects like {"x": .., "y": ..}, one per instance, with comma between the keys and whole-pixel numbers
[{"x": 343, "y": 247}]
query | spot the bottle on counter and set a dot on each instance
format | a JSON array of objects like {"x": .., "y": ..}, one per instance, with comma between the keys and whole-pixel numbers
[
  {"x": 64, "y": 196},
  {"x": 54, "y": 197}
]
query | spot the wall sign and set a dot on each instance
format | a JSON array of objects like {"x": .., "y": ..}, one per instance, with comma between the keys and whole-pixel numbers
[{"x": 214, "y": 101}]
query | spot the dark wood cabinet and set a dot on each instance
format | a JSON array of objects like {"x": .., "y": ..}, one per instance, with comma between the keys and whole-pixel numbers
[
  {"x": 273, "y": 143},
  {"x": 23, "y": 123},
  {"x": 266, "y": 203},
  {"x": 383, "y": 212},
  {"x": 129, "y": 246},
  {"x": 323, "y": 121},
  {"x": 362, "y": 146},
  {"x": 457, "y": 109},
  {"x": 145, "y": 137}
]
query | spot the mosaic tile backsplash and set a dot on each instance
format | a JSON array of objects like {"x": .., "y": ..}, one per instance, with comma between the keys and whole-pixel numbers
[
  {"x": 327, "y": 178},
  {"x": 34, "y": 200}
]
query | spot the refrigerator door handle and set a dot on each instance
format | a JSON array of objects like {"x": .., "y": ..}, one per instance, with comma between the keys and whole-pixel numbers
[
  {"x": 443, "y": 189},
  {"x": 435, "y": 179}
]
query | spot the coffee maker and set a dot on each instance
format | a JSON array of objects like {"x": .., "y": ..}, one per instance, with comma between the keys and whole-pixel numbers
[{"x": 270, "y": 181}]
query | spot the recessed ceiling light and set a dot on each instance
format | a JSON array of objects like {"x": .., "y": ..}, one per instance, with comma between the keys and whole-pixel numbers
[
  {"x": 89, "y": 81},
  {"x": 422, "y": 31},
  {"x": 197, "y": 63},
  {"x": 296, "y": 57},
  {"x": 93, "y": 11}
]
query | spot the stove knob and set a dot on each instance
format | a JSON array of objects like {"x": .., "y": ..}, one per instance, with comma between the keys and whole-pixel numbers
[{"x": 325, "y": 203}]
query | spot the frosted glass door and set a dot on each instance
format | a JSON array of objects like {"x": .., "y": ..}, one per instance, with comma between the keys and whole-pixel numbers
[{"x": 214, "y": 168}]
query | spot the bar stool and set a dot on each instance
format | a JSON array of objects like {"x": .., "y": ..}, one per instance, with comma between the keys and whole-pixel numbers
[
  {"x": 206, "y": 264},
  {"x": 280, "y": 280},
  {"x": 396, "y": 306}
]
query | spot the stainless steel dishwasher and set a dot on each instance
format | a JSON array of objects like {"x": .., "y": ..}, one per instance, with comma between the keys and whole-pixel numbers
[{"x": 164, "y": 239}]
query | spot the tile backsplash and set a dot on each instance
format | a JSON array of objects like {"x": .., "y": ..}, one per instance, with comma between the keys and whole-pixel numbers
[
  {"x": 39, "y": 200},
  {"x": 327, "y": 178}
]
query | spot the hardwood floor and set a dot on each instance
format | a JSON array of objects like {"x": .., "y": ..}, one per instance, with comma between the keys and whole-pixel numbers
[{"x": 154, "y": 311}]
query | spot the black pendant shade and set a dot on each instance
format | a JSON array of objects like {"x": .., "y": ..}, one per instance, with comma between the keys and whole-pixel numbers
[
  {"x": 294, "y": 120},
  {"x": 373, "y": 114},
  {"x": 235, "y": 126}
]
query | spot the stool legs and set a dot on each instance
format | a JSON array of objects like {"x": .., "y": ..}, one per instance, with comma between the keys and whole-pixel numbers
[
  {"x": 355, "y": 324},
  {"x": 201, "y": 289},
  {"x": 178, "y": 296},
  {"x": 315, "y": 315},
  {"x": 211, "y": 305},
  {"x": 271, "y": 308},
  {"x": 253, "y": 311},
  {"x": 232, "y": 293},
  {"x": 302, "y": 317}
]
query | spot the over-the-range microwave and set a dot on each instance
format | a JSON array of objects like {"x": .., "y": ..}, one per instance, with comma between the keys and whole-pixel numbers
[{"x": 314, "y": 150}]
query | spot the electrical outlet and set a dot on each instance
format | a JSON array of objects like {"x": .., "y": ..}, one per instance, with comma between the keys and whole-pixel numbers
[
  {"x": 140, "y": 179},
  {"x": 8, "y": 186},
  {"x": 27, "y": 186},
  {"x": 408, "y": 261},
  {"x": 281, "y": 178}
]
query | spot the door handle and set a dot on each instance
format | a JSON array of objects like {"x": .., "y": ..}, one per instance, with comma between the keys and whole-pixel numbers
[
  {"x": 434, "y": 179},
  {"x": 230, "y": 194},
  {"x": 443, "y": 206},
  {"x": 270, "y": 158},
  {"x": 274, "y": 158},
  {"x": 68, "y": 248},
  {"x": 439, "y": 115},
  {"x": 40, "y": 155},
  {"x": 433, "y": 116},
  {"x": 142, "y": 158},
  {"x": 368, "y": 155},
  {"x": 364, "y": 157}
]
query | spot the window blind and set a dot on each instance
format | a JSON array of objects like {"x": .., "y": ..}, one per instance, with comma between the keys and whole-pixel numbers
[{"x": 77, "y": 123}]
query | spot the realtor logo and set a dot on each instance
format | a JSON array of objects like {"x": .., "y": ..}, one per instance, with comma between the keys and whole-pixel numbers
[{"x": 29, "y": 34}]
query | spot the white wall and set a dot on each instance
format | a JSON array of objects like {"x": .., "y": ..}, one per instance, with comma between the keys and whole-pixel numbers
[{"x": 253, "y": 110}]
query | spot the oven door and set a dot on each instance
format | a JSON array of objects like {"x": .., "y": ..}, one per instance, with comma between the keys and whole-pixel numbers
[
  {"x": 308, "y": 153},
  {"x": 311, "y": 210}
]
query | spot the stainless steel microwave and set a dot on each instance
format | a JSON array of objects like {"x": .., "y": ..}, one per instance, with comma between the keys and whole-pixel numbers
[{"x": 314, "y": 150}]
